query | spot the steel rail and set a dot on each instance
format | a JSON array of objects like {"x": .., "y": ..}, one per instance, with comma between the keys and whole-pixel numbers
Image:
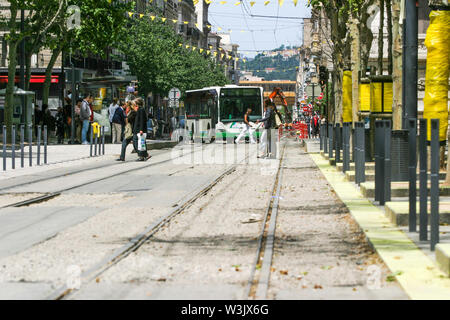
[
  {"x": 135, "y": 243},
  {"x": 265, "y": 241}
]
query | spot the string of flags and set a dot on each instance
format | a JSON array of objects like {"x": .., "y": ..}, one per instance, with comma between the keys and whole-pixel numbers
[{"x": 237, "y": 3}]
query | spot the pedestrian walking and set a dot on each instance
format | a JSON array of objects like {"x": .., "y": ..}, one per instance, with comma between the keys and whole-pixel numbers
[
  {"x": 265, "y": 148},
  {"x": 118, "y": 122},
  {"x": 60, "y": 125},
  {"x": 112, "y": 110},
  {"x": 85, "y": 116},
  {"x": 78, "y": 122},
  {"x": 128, "y": 134},
  {"x": 140, "y": 128},
  {"x": 247, "y": 128}
]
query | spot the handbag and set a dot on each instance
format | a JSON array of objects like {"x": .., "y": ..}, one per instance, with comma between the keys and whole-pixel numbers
[
  {"x": 277, "y": 121},
  {"x": 128, "y": 131}
]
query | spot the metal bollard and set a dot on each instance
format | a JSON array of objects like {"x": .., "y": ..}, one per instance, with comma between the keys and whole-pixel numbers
[
  {"x": 379, "y": 159},
  {"x": 22, "y": 146},
  {"x": 38, "y": 145},
  {"x": 346, "y": 147},
  {"x": 95, "y": 142},
  {"x": 330, "y": 140},
  {"x": 338, "y": 142},
  {"x": 362, "y": 150},
  {"x": 325, "y": 138},
  {"x": 434, "y": 192},
  {"x": 13, "y": 147},
  {"x": 92, "y": 138},
  {"x": 4, "y": 148},
  {"x": 103, "y": 140},
  {"x": 321, "y": 137},
  {"x": 30, "y": 144},
  {"x": 45, "y": 145},
  {"x": 423, "y": 188},
  {"x": 356, "y": 151},
  {"x": 412, "y": 136},
  {"x": 387, "y": 161}
]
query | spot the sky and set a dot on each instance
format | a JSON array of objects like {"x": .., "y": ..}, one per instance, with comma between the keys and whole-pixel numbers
[{"x": 268, "y": 33}]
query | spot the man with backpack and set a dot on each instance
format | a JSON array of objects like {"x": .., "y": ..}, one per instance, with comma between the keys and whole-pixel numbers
[
  {"x": 118, "y": 121},
  {"x": 269, "y": 124}
]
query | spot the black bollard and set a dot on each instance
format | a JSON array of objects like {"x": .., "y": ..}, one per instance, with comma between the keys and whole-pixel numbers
[
  {"x": 13, "y": 147},
  {"x": 412, "y": 136},
  {"x": 434, "y": 192},
  {"x": 45, "y": 145},
  {"x": 423, "y": 188},
  {"x": 92, "y": 140},
  {"x": 103, "y": 140},
  {"x": 379, "y": 159},
  {"x": 30, "y": 144},
  {"x": 346, "y": 147},
  {"x": 4, "y": 148},
  {"x": 38, "y": 145},
  {"x": 330, "y": 140},
  {"x": 22, "y": 146},
  {"x": 325, "y": 138},
  {"x": 387, "y": 161},
  {"x": 362, "y": 150},
  {"x": 338, "y": 143}
]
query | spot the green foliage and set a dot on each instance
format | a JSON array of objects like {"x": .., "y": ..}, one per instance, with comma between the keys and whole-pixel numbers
[
  {"x": 284, "y": 69},
  {"x": 154, "y": 55}
]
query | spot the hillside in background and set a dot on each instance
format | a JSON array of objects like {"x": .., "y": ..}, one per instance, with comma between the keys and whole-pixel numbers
[{"x": 275, "y": 65}]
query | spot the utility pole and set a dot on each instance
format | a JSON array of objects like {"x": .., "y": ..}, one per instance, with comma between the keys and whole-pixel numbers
[{"x": 410, "y": 66}]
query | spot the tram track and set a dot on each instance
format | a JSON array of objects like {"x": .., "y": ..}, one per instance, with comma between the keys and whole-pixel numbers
[
  {"x": 134, "y": 244},
  {"x": 49, "y": 196},
  {"x": 258, "y": 284}
]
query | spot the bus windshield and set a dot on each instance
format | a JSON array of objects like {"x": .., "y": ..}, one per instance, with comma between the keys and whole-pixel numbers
[{"x": 234, "y": 103}]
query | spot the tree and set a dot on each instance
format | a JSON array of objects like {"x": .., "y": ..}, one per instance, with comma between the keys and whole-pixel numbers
[
  {"x": 35, "y": 9},
  {"x": 154, "y": 54},
  {"x": 338, "y": 13},
  {"x": 101, "y": 29}
]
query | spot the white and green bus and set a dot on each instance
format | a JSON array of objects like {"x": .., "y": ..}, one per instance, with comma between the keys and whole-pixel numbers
[{"x": 218, "y": 112}]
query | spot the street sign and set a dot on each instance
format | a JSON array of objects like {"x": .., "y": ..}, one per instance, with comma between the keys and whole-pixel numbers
[
  {"x": 174, "y": 94},
  {"x": 174, "y": 98}
]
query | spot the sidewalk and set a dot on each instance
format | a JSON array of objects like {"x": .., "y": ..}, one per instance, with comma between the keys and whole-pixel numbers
[
  {"x": 65, "y": 156},
  {"x": 412, "y": 264}
]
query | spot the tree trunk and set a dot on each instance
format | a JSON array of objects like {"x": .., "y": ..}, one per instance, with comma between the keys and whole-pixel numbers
[
  {"x": 397, "y": 65},
  {"x": 389, "y": 31},
  {"x": 48, "y": 75},
  {"x": 338, "y": 95},
  {"x": 381, "y": 39},
  {"x": 28, "y": 70},
  {"x": 366, "y": 36},
  {"x": 356, "y": 65}
]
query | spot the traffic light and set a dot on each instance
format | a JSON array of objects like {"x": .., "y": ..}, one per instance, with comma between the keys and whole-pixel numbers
[{"x": 323, "y": 75}]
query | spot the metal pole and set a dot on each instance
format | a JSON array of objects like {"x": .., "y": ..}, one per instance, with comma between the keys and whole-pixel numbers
[
  {"x": 22, "y": 146},
  {"x": 321, "y": 138},
  {"x": 45, "y": 145},
  {"x": 434, "y": 192},
  {"x": 378, "y": 158},
  {"x": 30, "y": 144},
  {"x": 325, "y": 138},
  {"x": 92, "y": 138},
  {"x": 330, "y": 141},
  {"x": 95, "y": 141},
  {"x": 411, "y": 59},
  {"x": 103, "y": 139},
  {"x": 362, "y": 151},
  {"x": 4, "y": 148},
  {"x": 387, "y": 161},
  {"x": 423, "y": 188},
  {"x": 412, "y": 136},
  {"x": 356, "y": 152},
  {"x": 338, "y": 143},
  {"x": 38, "y": 144},
  {"x": 346, "y": 149},
  {"x": 13, "y": 147}
]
